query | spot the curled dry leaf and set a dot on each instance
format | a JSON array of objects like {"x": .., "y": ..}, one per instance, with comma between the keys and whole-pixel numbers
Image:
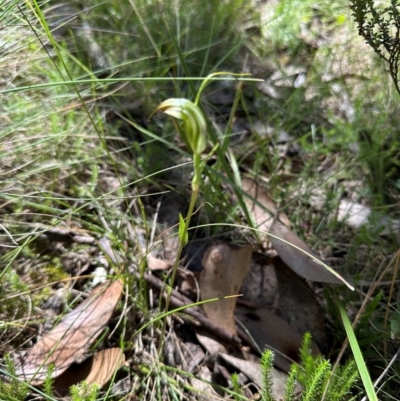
[
  {"x": 155, "y": 264},
  {"x": 224, "y": 270},
  {"x": 261, "y": 206},
  {"x": 271, "y": 283},
  {"x": 193, "y": 356},
  {"x": 270, "y": 330},
  {"x": 98, "y": 369},
  {"x": 202, "y": 382},
  {"x": 71, "y": 337},
  {"x": 300, "y": 258},
  {"x": 211, "y": 344}
]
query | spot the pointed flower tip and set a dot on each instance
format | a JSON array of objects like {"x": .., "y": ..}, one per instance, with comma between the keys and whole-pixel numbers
[
  {"x": 193, "y": 122},
  {"x": 172, "y": 107}
]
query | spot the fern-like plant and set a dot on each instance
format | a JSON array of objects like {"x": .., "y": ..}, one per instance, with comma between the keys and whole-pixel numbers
[
  {"x": 84, "y": 392},
  {"x": 314, "y": 375},
  {"x": 11, "y": 389}
]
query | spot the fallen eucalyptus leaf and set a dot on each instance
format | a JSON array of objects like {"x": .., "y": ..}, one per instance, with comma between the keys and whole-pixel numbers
[
  {"x": 270, "y": 330},
  {"x": 97, "y": 369},
  {"x": 261, "y": 206},
  {"x": 224, "y": 270},
  {"x": 273, "y": 284},
  {"x": 71, "y": 337},
  {"x": 202, "y": 383},
  {"x": 300, "y": 258}
]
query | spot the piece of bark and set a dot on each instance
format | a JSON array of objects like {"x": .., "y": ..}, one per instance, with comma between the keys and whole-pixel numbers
[{"x": 224, "y": 270}]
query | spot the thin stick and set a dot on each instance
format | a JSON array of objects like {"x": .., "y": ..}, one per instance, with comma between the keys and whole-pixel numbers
[{"x": 178, "y": 300}]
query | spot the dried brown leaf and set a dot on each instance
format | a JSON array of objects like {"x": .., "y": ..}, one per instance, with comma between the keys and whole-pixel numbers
[
  {"x": 97, "y": 369},
  {"x": 155, "y": 264},
  {"x": 261, "y": 206},
  {"x": 224, "y": 270},
  {"x": 105, "y": 363},
  {"x": 299, "y": 257},
  {"x": 71, "y": 337},
  {"x": 211, "y": 344},
  {"x": 252, "y": 369},
  {"x": 271, "y": 283},
  {"x": 202, "y": 384},
  {"x": 269, "y": 330}
]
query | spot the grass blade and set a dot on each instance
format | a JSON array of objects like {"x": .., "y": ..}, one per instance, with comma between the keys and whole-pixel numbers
[{"x": 362, "y": 368}]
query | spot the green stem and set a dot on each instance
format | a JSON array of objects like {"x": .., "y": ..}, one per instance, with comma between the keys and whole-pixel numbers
[
  {"x": 212, "y": 77},
  {"x": 198, "y": 169},
  {"x": 195, "y": 191}
]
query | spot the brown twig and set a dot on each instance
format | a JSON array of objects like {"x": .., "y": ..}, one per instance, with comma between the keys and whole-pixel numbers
[
  {"x": 59, "y": 234},
  {"x": 178, "y": 300},
  {"x": 62, "y": 235}
]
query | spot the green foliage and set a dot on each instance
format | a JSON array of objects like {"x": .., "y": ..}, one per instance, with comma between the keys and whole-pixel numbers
[
  {"x": 236, "y": 387},
  {"x": 379, "y": 24},
  {"x": 194, "y": 127},
  {"x": 54, "y": 159},
  {"x": 314, "y": 374},
  {"x": 358, "y": 356},
  {"x": 163, "y": 39},
  {"x": 287, "y": 19},
  {"x": 291, "y": 383},
  {"x": 16, "y": 307},
  {"x": 84, "y": 392},
  {"x": 48, "y": 382},
  {"x": 267, "y": 364},
  {"x": 12, "y": 389},
  {"x": 395, "y": 324},
  {"x": 12, "y": 284}
]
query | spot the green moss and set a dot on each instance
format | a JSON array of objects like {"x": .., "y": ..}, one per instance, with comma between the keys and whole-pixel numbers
[{"x": 12, "y": 306}]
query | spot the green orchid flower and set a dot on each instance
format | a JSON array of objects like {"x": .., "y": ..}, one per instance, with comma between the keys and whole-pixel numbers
[{"x": 194, "y": 128}]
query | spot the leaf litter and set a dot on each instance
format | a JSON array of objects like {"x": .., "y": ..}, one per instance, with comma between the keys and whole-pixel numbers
[
  {"x": 224, "y": 270},
  {"x": 272, "y": 314},
  {"x": 97, "y": 369},
  {"x": 268, "y": 317},
  {"x": 71, "y": 337}
]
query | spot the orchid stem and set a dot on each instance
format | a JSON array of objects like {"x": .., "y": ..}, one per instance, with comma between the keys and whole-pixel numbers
[{"x": 196, "y": 181}]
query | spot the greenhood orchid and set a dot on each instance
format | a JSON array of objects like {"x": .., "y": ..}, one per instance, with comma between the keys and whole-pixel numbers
[{"x": 194, "y": 128}]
